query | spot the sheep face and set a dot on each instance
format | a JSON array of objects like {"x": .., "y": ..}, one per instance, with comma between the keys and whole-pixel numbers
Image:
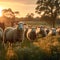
[
  {"x": 42, "y": 32},
  {"x": 20, "y": 26},
  {"x": 31, "y": 34},
  {"x": 20, "y": 32},
  {"x": 54, "y": 31},
  {"x": 33, "y": 29}
]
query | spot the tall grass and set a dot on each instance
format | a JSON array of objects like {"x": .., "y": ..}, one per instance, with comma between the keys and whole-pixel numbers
[
  {"x": 51, "y": 46},
  {"x": 47, "y": 48}
]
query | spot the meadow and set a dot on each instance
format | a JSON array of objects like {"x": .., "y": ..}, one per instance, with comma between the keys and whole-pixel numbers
[
  {"x": 47, "y": 48},
  {"x": 34, "y": 38}
]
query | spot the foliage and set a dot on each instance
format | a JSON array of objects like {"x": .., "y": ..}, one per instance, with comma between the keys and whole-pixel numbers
[
  {"x": 30, "y": 53},
  {"x": 10, "y": 15},
  {"x": 50, "y": 8},
  {"x": 2, "y": 52},
  {"x": 29, "y": 16}
]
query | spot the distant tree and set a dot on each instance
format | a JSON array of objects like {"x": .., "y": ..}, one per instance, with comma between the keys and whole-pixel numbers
[
  {"x": 37, "y": 18},
  {"x": 30, "y": 16},
  {"x": 46, "y": 19},
  {"x": 16, "y": 13},
  {"x": 50, "y": 8},
  {"x": 10, "y": 15}
]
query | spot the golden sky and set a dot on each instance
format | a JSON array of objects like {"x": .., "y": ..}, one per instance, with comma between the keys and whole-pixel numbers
[{"x": 23, "y": 6}]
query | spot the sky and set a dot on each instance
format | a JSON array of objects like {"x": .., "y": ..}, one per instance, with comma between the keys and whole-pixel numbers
[{"x": 23, "y": 6}]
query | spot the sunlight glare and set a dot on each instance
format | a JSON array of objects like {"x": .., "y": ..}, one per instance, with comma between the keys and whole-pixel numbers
[
  {"x": 42, "y": 13},
  {"x": 1, "y": 11}
]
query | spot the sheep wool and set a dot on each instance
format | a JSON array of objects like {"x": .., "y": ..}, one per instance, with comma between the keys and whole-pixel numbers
[
  {"x": 14, "y": 34},
  {"x": 31, "y": 34},
  {"x": 1, "y": 34}
]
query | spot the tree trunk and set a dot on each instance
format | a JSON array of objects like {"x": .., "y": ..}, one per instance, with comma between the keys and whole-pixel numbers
[
  {"x": 53, "y": 24},
  {"x": 53, "y": 21}
]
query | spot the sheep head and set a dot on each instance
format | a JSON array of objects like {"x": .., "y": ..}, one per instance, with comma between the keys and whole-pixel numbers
[{"x": 20, "y": 26}]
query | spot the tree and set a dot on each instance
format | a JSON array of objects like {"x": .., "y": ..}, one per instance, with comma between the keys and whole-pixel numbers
[
  {"x": 50, "y": 8},
  {"x": 30, "y": 16},
  {"x": 10, "y": 15}
]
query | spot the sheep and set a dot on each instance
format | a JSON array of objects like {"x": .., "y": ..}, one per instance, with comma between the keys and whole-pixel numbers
[
  {"x": 41, "y": 31},
  {"x": 47, "y": 30},
  {"x": 31, "y": 34},
  {"x": 1, "y": 34},
  {"x": 25, "y": 32},
  {"x": 52, "y": 32},
  {"x": 6, "y": 32},
  {"x": 58, "y": 30},
  {"x": 14, "y": 34}
]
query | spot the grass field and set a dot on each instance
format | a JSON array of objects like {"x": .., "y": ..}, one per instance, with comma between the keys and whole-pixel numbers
[{"x": 47, "y": 48}]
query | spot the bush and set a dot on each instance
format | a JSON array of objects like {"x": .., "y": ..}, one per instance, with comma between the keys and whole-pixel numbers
[
  {"x": 30, "y": 53},
  {"x": 2, "y": 52}
]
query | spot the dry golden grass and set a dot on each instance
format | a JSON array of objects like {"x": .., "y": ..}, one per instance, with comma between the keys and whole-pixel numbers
[
  {"x": 39, "y": 50},
  {"x": 10, "y": 54},
  {"x": 48, "y": 43}
]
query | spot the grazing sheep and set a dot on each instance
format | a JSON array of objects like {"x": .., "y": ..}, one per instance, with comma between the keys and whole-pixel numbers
[
  {"x": 31, "y": 34},
  {"x": 14, "y": 34},
  {"x": 1, "y": 34}
]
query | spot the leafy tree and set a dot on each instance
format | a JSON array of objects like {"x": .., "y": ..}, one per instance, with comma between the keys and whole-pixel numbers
[
  {"x": 10, "y": 15},
  {"x": 50, "y": 8},
  {"x": 30, "y": 16}
]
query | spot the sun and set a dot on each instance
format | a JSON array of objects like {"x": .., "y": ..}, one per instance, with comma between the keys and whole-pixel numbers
[{"x": 1, "y": 11}]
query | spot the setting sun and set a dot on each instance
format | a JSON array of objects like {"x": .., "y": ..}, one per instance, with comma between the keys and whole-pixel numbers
[{"x": 1, "y": 11}]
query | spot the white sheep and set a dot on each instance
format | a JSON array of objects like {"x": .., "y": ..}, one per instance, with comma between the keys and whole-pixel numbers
[
  {"x": 58, "y": 31},
  {"x": 7, "y": 34},
  {"x": 52, "y": 32},
  {"x": 14, "y": 34},
  {"x": 25, "y": 31},
  {"x": 1, "y": 34},
  {"x": 47, "y": 30},
  {"x": 41, "y": 31},
  {"x": 31, "y": 34}
]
